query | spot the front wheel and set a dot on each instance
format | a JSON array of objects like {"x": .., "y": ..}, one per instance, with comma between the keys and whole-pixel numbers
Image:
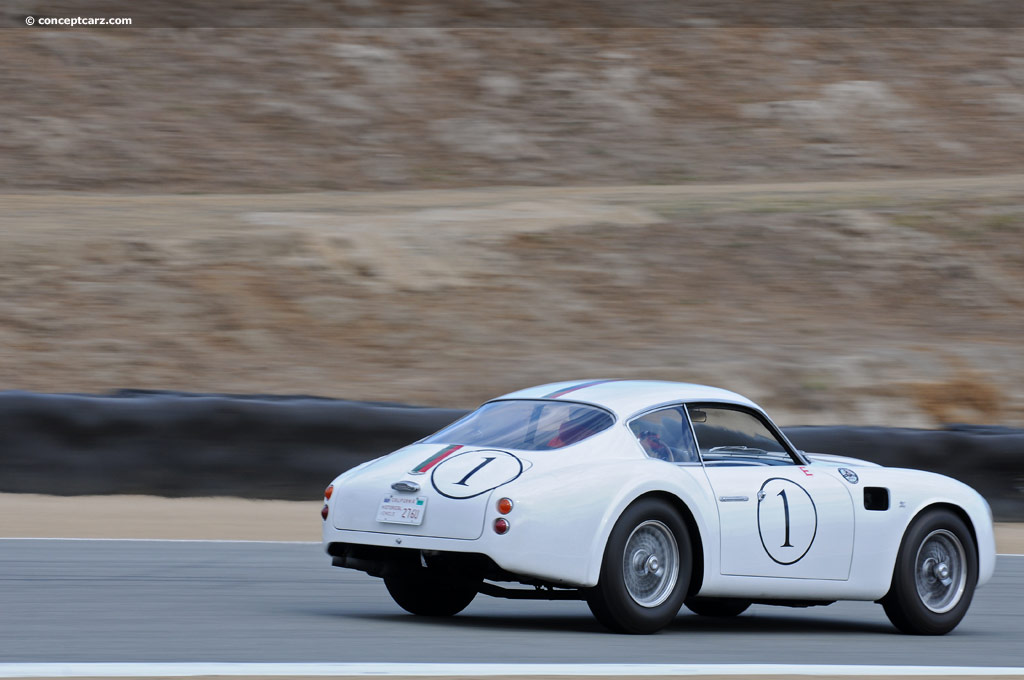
[
  {"x": 645, "y": 571},
  {"x": 935, "y": 575},
  {"x": 418, "y": 593}
]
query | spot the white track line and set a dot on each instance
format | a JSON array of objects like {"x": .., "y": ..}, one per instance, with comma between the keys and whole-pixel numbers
[
  {"x": 154, "y": 540},
  {"x": 163, "y": 670}
]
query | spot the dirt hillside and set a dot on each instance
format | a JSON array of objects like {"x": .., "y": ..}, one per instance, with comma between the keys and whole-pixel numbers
[
  {"x": 831, "y": 221},
  {"x": 300, "y": 109}
]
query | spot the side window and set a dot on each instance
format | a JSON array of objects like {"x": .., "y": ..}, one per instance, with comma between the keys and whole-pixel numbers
[
  {"x": 728, "y": 436},
  {"x": 665, "y": 434}
]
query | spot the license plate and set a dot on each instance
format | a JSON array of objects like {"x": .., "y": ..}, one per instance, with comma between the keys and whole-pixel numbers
[{"x": 402, "y": 510}]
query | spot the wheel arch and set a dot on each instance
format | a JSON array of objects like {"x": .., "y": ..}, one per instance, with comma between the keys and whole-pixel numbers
[
  {"x": 928, "y": 507},
  {"x": 912, "y": 494},
  {"x": 956, "y": 510},
  {"x": 696, "y": 539},
  {"x": 904, "y": 603},
  {"x": 684, "y": 489}
]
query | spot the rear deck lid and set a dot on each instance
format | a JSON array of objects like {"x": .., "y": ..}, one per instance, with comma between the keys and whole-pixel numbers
[{"x": 431, "y": 490}]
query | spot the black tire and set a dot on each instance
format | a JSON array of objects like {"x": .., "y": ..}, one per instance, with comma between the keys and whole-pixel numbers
[
  {"x": 424, "y": 595},
  {"x": 716, "y": 606},
  {"x": 921, "y": 602},
  {"x": 636, "y": 594}
]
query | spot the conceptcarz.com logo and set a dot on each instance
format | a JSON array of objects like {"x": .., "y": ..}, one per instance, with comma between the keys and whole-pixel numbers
[{"x": 78, "y": 21}]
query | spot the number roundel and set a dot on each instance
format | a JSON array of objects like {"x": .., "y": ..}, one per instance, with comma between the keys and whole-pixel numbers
[
  {"x": 787, "y": 520},
  {"x": 472, "y": 473}
]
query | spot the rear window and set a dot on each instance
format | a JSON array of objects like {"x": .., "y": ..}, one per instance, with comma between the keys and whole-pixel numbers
[{"x": 525, "y": 425}]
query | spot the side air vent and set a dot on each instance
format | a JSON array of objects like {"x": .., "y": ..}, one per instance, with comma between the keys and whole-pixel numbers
[{"x": 876, "y": 498}]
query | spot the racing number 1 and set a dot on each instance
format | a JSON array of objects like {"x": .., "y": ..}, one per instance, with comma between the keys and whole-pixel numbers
[
  {"x": 798, "y": 513},
  {"x": 462, "y": 482},
  {"x": 785, "y": 509}
]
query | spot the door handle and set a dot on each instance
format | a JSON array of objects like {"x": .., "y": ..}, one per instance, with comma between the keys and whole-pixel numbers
[{"x": 733, "y": 499}]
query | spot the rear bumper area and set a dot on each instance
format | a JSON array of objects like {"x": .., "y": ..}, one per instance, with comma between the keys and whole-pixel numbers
[
  {"x": 512, "y": 557},
  {"x": 381, "y": 561}
]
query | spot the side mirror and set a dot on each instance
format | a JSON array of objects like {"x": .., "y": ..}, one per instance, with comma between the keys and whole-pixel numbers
[{"x": 698, "y": 416}]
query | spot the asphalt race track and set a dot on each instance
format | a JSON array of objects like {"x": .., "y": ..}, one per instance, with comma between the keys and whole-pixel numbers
[{"x": 165, "y": 601}]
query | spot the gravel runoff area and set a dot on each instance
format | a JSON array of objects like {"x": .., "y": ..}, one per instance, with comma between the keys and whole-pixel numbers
[{"x": 39, "y": 516}]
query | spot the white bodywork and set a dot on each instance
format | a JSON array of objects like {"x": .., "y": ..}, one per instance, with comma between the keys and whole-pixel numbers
[{"x": 566, "y": 502}]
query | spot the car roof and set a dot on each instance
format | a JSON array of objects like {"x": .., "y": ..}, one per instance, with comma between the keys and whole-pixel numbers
[{"x": 626, "y": 397}]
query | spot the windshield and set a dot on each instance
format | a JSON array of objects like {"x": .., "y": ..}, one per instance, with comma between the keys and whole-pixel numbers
[
  {"x": 731, "y": 436},
  {"x": 525, "y": 425}
]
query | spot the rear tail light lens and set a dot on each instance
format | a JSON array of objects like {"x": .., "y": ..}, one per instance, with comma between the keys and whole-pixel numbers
[
  {"x": 328, "y": 492},
  {"x": 324, "y": 510},
  {"x": 501, "y": 526},
  {"x": 505, "y": 505}
]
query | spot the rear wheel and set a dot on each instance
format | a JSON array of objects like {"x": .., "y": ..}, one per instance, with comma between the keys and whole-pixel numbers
[
  {"x": 935, "y": 575},
  {"x": 645, "y": 571},
  {"x": 426, "y": 595},
  {"x": 716, "y": 606}
]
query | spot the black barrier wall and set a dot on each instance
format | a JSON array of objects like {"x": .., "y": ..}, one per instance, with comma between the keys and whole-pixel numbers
[
  {"x": 171, "y": 444},
  {"x": 990, "y": 459},
  {"x": 174, "y": 444}
]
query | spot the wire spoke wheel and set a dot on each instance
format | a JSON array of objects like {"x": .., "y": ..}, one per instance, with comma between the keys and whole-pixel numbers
[
  {"x": 650, "y": 563},
  {"x": 940, "y": 572},
  {"x": 645, "y": 571},
  {"x": 935, "y": 574}
]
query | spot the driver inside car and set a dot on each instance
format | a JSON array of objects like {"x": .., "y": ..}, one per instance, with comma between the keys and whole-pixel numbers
[{"x": 654, "y": 446}]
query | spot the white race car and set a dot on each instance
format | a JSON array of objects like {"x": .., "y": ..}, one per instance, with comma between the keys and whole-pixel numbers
[{"x": 643, "y": 496}]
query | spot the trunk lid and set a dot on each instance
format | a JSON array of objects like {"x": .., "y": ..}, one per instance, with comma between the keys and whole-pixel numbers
[{"x": 447, "y": 485}]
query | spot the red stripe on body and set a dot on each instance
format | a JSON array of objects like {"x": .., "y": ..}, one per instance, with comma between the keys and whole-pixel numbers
[{"x": 436, "y": 458}]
